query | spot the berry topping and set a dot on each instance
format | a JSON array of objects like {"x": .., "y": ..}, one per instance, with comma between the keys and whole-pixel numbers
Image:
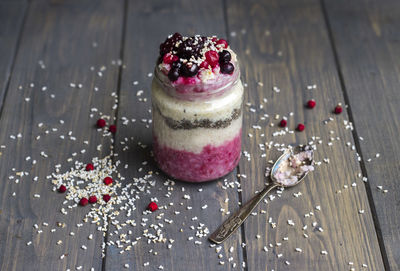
[
  {"x": 283, "y": 123},
  {"x": 100, "y": 123},
  {"x": 224, "y": 56},
  {"x": 185, "y": 51},
  {"x": 108, "y": 180},
  {"x": 83, "y": 202},
  {"x": 89, "y": 167},
  {"x": 112, "y": 129},
  {"x": 338, "y": 109},
  {"x": 169, "y": 58},
  {"x": 190, "y": 69},
  {"x": 311, "y": 104},
  {"x": 212, "y": 58},
  {"x": 106, "y": 197},
  {"x": 300, "y": 127},
  {"x": 173, "y": 74},
  {"x": 223, "y": 42},
  {"x": 176, "y": 36},
  {"x": 62, "y": 188},
  {"x": 227, "y": 68},
  {"x": 177, "y": 65},
  {"x": 186, "y": 56},
  {"x": 152, "y": 206},
  {"x": 92, "y": 199},
  {"x": 169, "y": 44},
  {"x": 204, "y": 64},
  {"x": 165, "y": 48}
]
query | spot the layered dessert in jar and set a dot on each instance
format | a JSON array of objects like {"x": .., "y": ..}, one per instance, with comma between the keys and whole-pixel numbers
[{"x": 197, "y": 101}]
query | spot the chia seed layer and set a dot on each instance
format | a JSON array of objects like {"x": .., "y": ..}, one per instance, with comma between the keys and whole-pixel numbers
[
  {"x": 193, "y": 140},
  {"x": 201, "y": 123}
]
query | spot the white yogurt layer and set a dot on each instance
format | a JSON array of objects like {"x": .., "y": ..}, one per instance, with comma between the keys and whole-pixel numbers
[
  {"x": 217, "y": 108},
  {"x": 291, "y": 169},
  {"x": 193, "y": 140}
]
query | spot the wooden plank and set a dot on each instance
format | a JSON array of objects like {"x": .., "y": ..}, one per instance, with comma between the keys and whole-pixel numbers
[
  {"x": 148, "y": 25},
  {"x": 11, "y": 19},
  {"x": 56, "y": 49},
  {"x": 286, "y": 44},
  {"x": 366, "y": 36}
]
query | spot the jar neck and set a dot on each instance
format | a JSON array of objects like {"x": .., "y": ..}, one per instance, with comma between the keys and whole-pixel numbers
[{"x": 197, "y": 90}]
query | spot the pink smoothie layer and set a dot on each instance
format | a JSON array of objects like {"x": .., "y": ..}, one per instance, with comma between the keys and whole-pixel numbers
[{"x": 212, "y": 163}]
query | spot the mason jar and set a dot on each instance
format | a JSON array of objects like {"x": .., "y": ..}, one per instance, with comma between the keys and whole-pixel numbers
[{"x": 197, "y": 119}]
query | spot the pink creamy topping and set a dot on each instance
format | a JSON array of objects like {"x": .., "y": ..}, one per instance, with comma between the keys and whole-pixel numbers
[
  {"x": 193, "y": 88},
  {"x": 291, "y": 169},
  {"x": 196, "y": 67}
]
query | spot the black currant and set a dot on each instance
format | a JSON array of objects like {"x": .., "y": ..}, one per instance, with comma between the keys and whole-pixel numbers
[
  {"x": 224, "y": 56},
  {"x": 227, "y": 68},
  {"x": 190, "y": 70},
  {"x": 173, "y": 74}
]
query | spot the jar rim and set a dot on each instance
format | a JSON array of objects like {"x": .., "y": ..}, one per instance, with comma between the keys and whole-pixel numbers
[{"x": 197, "y": 91}]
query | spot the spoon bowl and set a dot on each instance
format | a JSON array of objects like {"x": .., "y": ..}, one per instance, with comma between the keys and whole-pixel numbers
[{"x": 285, "y": 156}]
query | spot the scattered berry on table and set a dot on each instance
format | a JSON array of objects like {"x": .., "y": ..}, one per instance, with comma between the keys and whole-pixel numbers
[
  {"x": 338, "y": 109},
  {"x": 152, "y": 206},
  {"x": 283, "y": 123},
  {"x": 62, "y": 188},
  {"x": 89, "y": 167},
  {"x": 92, "y": 199},
  {"x": 311, "y": 104},
  {"x": 83, "y": 202},
  {"x": 113, "y": 128},
  {"x": 106, "y": 197},
  {"x": 101, "y": 123},
  {"x": 108, "y": 180},
  {"x": 300, "y": 127}
]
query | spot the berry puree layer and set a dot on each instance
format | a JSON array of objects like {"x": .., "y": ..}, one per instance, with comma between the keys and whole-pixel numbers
[{"x": 197, "y": 101}]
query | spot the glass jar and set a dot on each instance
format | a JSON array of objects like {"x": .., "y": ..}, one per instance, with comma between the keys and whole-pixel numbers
[{"x": 197, "y": 124}]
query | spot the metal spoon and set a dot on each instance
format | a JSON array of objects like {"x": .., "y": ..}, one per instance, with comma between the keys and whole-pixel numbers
[{"x": 235, "y": 220}]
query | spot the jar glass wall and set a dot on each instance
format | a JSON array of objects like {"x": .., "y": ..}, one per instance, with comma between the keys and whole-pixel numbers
[{"x": 197, "y": 125}]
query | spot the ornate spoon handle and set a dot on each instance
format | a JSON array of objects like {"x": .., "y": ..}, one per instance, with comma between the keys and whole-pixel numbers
[{"x": 235, "y": 220}]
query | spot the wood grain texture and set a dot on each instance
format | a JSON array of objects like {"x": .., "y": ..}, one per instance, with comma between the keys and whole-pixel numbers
[
  {"x": 148, "y": 24},
  {"x": 61, "y": 34},
  {"x": 286, "y": 44},
  {"x": 11, "y": 19},
  {"x": 367, "y": 40}
]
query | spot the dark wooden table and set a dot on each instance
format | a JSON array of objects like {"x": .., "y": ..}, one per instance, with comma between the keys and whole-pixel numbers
[{"x": 350, "y": 51}]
